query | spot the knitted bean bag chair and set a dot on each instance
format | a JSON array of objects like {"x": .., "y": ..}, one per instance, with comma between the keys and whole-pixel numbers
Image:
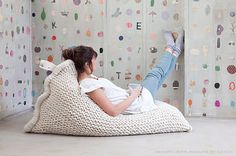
[{"x": 61, "y": 109}]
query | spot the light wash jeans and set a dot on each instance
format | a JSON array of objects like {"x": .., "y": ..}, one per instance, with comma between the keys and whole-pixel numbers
[{"x": 154, "y": 79}]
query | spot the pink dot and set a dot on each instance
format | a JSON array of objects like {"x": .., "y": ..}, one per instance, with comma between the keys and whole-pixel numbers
[
  {"x": 129, "y": 49},
  {"x": 11, "y": 53},
  {"x": 217, "y": 103},
  {"x": 6, "y": 83},
  {"x": 19, "y": 93},
  {"x": 54, "y": 38},
  {"x": 11, "y": 19},
  {"x": 100, "y": 34},
  {"x": 129, "y": 25},
  {"x": 28, "y": 30}
]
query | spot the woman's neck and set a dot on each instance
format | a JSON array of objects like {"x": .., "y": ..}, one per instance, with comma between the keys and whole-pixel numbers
[{"x": 83, "y": 76}]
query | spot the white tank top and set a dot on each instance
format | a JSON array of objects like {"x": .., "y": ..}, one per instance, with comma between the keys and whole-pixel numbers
[{"x": 116, "y": 94}]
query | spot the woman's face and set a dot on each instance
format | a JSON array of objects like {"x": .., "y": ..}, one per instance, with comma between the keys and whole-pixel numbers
[
  {"x": 91, "y": 68},
  {"x": 94, "y": 63}
]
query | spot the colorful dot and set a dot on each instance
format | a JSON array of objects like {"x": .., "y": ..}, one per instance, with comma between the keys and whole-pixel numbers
[
  {"x": 33, "y": 93},
  {"x": 164, "y": 85},
  {"x": 165, "y": 15},
  {"x": 37, "y": 73},
  {"x": 37, "y": 49},
  {"x": 50, "y": 58},
  {"x": 24, "y": 58},
  {"x": 100, "y": 34},
  {"x": 11, "y": 53},
  {"x": 232, "y": 14},
  {"x": 112, "y": 63},
  {"x": 121, "y": 38},
  {"x": 217, "y": 103},
  {"x": 217, "y": 85},
  {"x": 24, "y": 92},
  {"x": 204, "y": 66},
  {"x": 54, "y": 38},
  {"x": 19, "y": 93},
  {"x": 1, "y": 81},
  {"x": 217, "y": 68},
  {"x": 129, "y": 25},
  {"x": 101, "y": 50},
  {"x": 129, "y": 49},
  {"x": 232, "y": 103},
  {"x": 101, "y": 63},
  {"x": 129, "y": 12},
  {"x": 88, "y": 33},
  {"x": 6, "y": 83},
  {"x": 190, "y": 102},
  {"x": 138, "y": 77}
]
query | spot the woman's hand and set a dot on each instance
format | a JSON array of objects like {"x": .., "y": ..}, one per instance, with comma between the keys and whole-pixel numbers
[{"x": 136, "y": 92}]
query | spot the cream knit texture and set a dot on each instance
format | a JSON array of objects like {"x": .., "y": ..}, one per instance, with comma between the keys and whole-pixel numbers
[{"x": 61, "y": 109}]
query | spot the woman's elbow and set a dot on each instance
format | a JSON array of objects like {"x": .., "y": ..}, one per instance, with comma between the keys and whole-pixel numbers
[{"x": 113, "y": 113}]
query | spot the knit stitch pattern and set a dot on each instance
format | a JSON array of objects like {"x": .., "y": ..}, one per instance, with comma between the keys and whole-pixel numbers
[{"x": 61, "y": 109}]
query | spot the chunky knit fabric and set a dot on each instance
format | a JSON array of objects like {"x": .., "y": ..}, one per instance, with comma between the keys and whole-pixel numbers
[{"x": 61, "y": 109}]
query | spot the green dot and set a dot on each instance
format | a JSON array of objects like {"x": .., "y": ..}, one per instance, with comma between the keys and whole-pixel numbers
[
  {"x": 204, "y": 66},
  {"x": 112, "y": 63},
  {"x": 217, "y": 68},
  {"x": 76, "y": 16},
  {"x": 43, "y": 15}
]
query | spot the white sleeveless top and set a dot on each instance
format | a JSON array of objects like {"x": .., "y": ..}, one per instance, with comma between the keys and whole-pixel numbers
[{"x": 116, "y": 94}]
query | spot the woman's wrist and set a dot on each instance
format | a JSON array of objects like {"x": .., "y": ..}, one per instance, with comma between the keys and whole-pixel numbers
[{"x": 131, "y": 97}]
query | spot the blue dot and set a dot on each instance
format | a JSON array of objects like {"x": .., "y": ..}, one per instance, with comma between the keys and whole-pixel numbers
[
  {"x": 232, "y": 104},
  {"x": 33, "y": 14},
  {"x": 121, "y": 38},
  {"x": 33, "y": 93},
  {"x": 24, "y": 92}
]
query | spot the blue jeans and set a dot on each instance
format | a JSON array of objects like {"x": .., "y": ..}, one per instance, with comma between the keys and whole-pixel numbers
[{"x": 154, "y": 79}]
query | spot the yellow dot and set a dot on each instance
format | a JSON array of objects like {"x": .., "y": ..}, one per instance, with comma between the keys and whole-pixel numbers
[{"x": 1, "y": 18}]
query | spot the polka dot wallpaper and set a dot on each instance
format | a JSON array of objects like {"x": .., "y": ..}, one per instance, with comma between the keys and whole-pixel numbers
[
  {"x": 210, "y": 59},
  {"x": 127, "y": 34},
  {"x": 15, "y": 57}
]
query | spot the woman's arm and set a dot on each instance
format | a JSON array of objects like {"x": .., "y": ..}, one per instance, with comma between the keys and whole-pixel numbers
[{"x": 99, "y": 97}]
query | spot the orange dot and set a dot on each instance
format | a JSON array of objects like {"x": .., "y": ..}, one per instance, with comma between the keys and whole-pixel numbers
[
  {"x": 153, "y": 36},
  {"x": 190, "y": 102},
  {"x": 50, "y": 58},
  {"x": 88, "y": 33},
  {"x": 138, "y": 77}
]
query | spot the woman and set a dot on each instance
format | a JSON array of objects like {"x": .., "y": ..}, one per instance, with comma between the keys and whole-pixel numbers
[{"x": 114, "y": 100}]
